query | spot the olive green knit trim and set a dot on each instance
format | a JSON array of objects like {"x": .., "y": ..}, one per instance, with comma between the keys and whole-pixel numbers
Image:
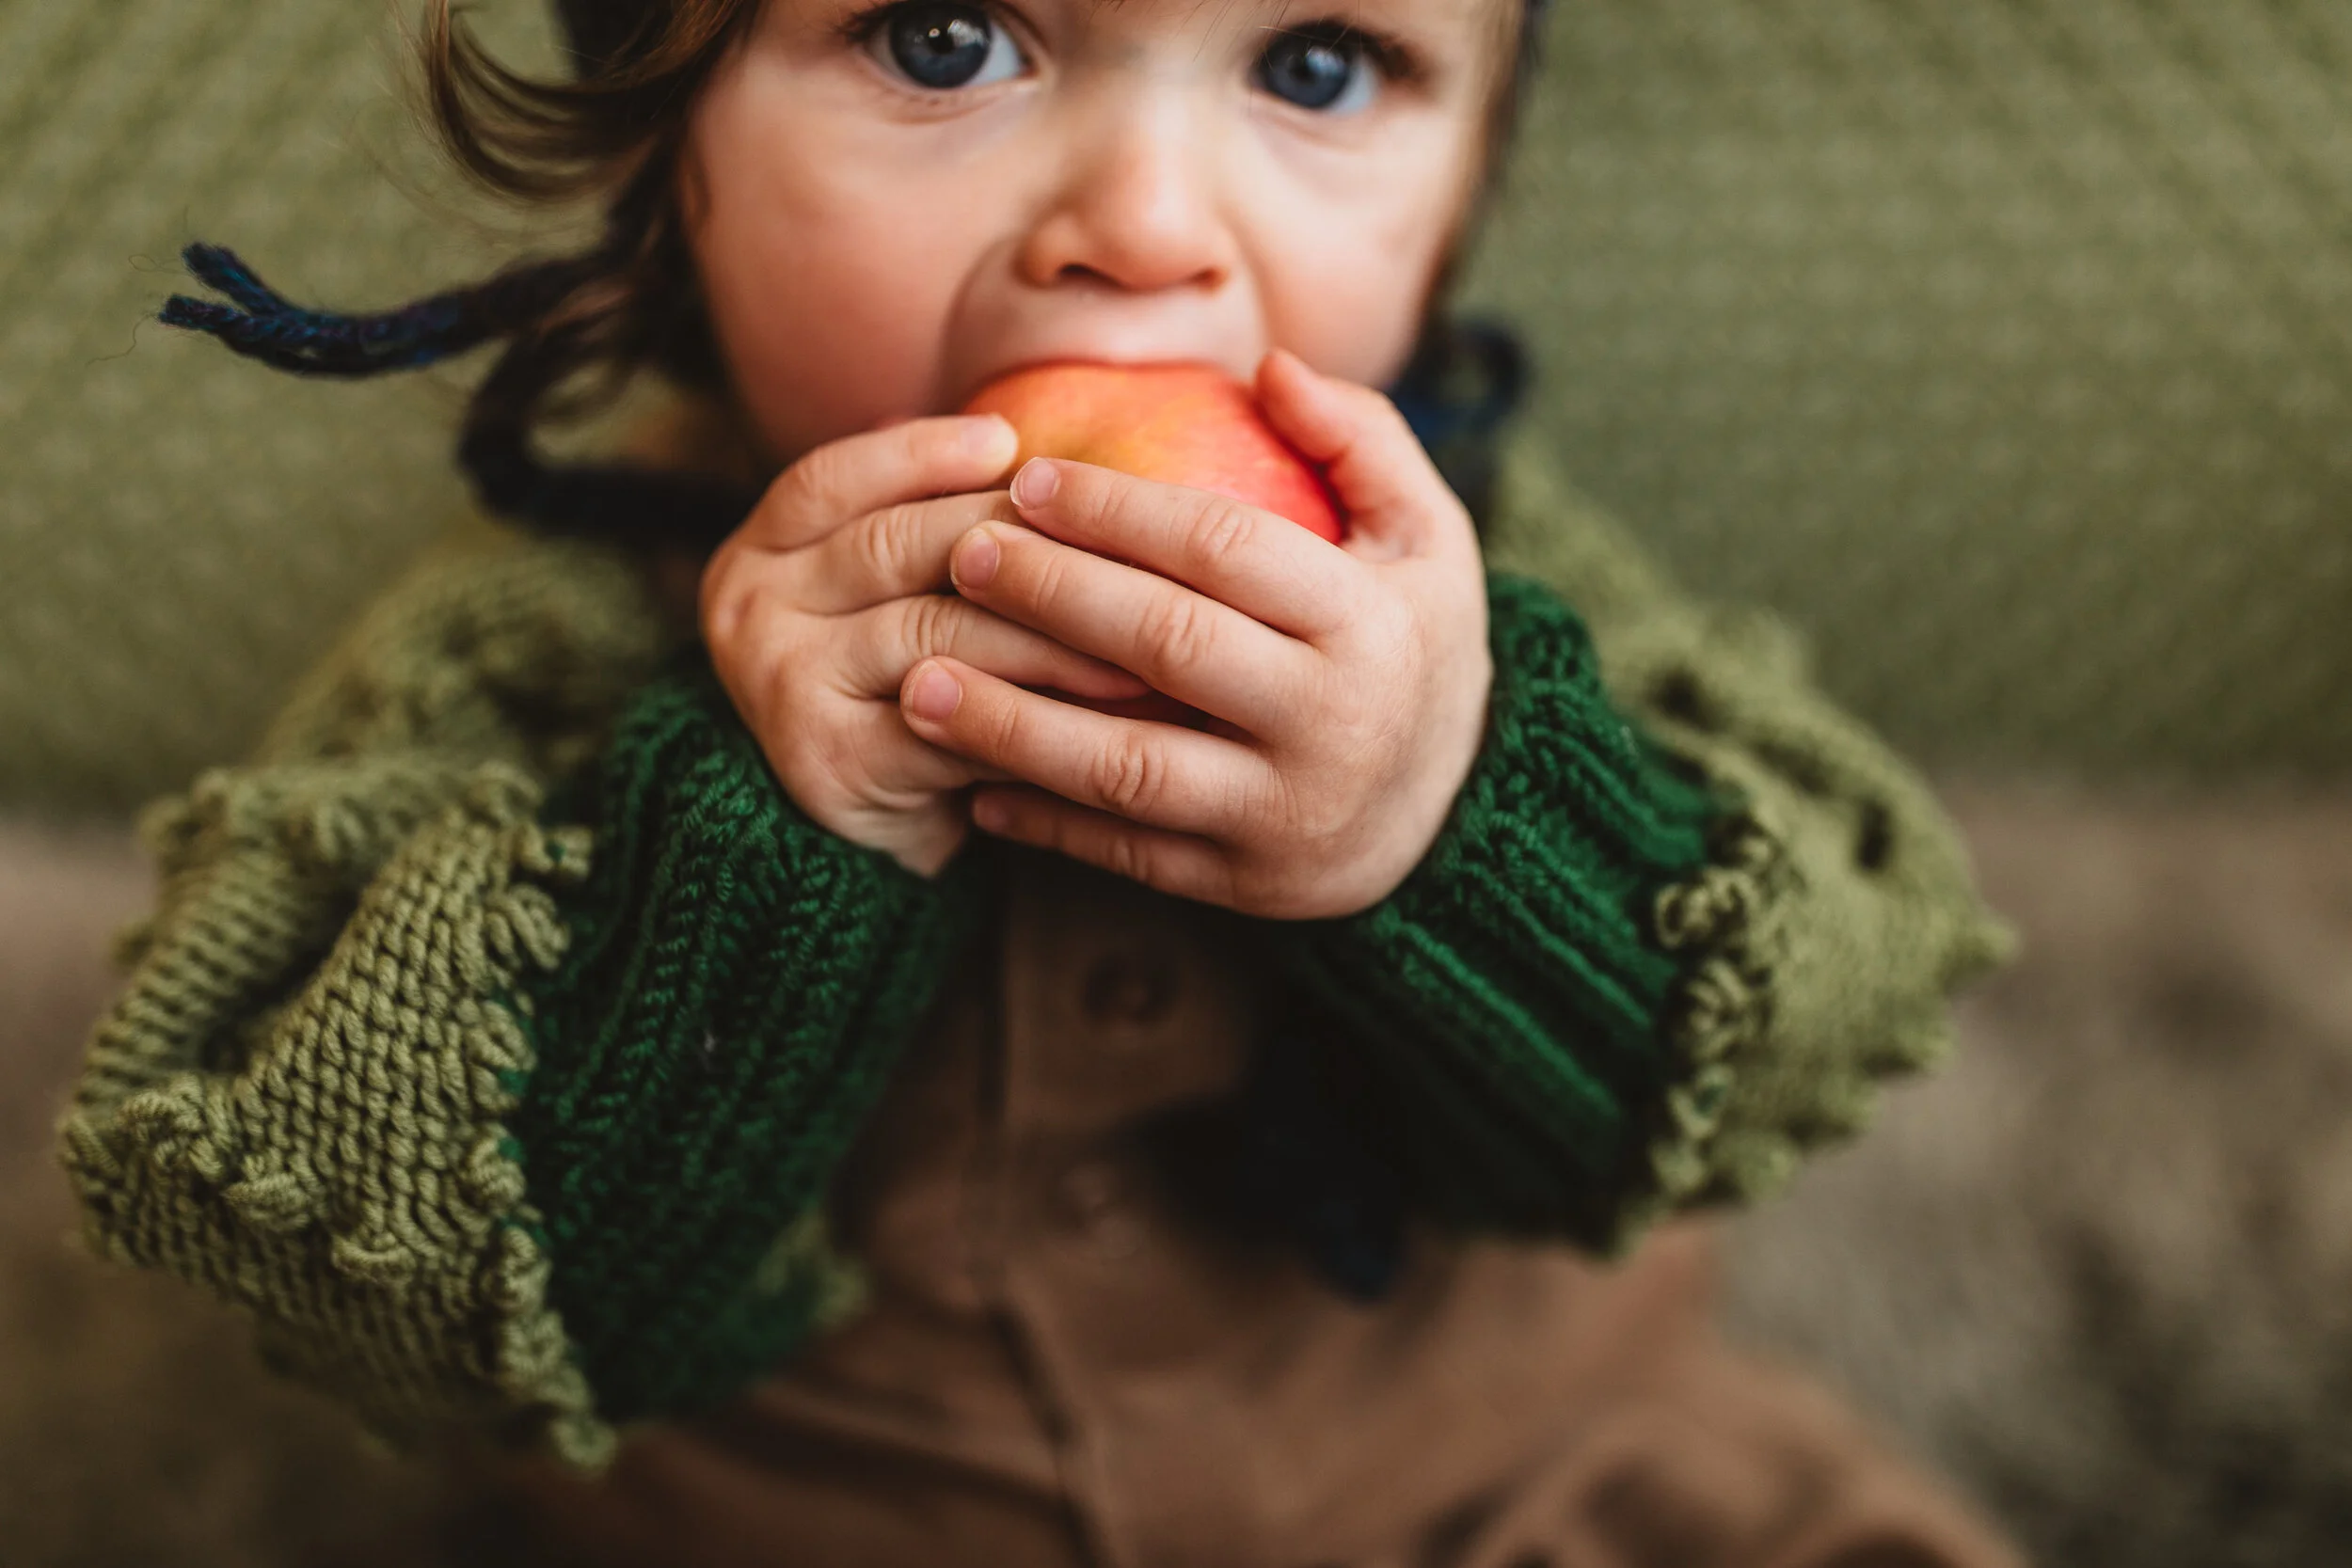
[
  {"x": 339, "y": 1165},
  {"x": 1829, "y": 932},
  {"x": 1836, "y": 914},
  {"x": 1725, "y": 924},
  {"x": 300, "y": 1100}
]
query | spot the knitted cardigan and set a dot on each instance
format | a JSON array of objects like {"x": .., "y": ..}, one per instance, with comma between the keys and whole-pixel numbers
[{"x": 502, "y": 1024}]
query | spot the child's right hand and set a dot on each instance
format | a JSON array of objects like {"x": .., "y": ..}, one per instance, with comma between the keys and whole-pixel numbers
[{"x": 835, "y": 588}]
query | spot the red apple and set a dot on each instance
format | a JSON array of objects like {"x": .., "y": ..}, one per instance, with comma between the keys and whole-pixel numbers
[{"x": 1180, "y": 424}]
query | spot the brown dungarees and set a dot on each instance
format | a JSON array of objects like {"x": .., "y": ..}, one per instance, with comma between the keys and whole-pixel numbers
[{"x": 1060, "y": 1367}]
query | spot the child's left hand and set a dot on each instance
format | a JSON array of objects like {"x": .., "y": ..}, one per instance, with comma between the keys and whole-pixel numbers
[{"x": 1349, "y": 683}]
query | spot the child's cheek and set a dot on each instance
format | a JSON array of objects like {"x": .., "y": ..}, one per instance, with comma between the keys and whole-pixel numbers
[
  {"x": 1352, "y": 270},
  {"x": 828, "y": 313},
  {"x": 849, "y": 341}
]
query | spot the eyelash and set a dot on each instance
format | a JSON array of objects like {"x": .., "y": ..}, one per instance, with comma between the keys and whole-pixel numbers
[
  {"x": 1388, "y": 54},
  {"x": 1385, "y": 52}
]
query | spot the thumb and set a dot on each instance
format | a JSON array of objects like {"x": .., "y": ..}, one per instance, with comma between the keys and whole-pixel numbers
[{"x": 1396, "y": 501}]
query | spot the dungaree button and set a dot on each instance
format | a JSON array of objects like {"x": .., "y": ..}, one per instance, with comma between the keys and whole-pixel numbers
[{"x": 1119, "y": 989}]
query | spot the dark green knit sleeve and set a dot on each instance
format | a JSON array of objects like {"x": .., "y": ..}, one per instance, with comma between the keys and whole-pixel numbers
[
  {"x": 1516, "y": 991},
  {"x": 497, "y": 1028},
  {"x": 736, "y": 989},
  {"x": 1685, "y": 919}
]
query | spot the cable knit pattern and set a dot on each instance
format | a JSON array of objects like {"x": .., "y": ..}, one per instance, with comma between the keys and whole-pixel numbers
[{"x": 733, "y": 1003}]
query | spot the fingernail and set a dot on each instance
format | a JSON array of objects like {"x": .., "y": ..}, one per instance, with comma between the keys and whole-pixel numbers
[
  {"x": 934, "y": 696},
  {"x": 1036, "y": 483},
  {"x": 976, "y": 560},
  {"x": 990, "y": 815}
]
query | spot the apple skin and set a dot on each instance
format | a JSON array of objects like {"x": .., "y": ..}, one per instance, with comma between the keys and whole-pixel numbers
[
  {"x": 1177, "y": 425},
  {"x": 1192, "y": 425}
]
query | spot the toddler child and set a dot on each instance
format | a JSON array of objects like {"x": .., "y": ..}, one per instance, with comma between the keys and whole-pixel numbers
[{"x": 708, "y": 984}]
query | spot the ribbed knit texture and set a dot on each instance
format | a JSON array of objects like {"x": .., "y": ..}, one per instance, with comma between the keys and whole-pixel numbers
[
  {"x": 518, "y": 1114},
  {"x": 738, "y": 988},
  {"x": 1836, "y": 914},
  {"x": 1516, "y": 989}
]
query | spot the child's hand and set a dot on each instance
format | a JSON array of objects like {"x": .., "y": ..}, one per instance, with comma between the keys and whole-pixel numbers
[
  {"x": 818, "y": 605},
  {"x": 1351, "y": 682}
]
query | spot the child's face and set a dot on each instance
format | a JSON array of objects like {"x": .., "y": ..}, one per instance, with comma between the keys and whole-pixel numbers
[{"x": 889, "y": 210}]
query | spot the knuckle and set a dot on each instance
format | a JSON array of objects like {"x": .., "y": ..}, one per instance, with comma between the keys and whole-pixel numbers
[
  {"x": 809, "y": 493},
  {"x": 1000, "y": 731},
  {"x": 1129, "y": 775},
  {"x": 720, "y": 601},
  {"x": 889, "y": 542},
  {"x": 1047, "y": 578},
  {"x": 1179, "y": 632},
  {"x": 741, "y": 631},
  {"x": 1126, "y": 857},
  {"x": 1094, "y": 502},
  {"x": 933, "y": 621},
  {"x": 1225, "y": 531}
]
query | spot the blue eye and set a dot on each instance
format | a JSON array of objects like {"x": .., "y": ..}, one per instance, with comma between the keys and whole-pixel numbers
[
  {"x": 1324, "y": 69},
  {"x": 945, "y": 47}
]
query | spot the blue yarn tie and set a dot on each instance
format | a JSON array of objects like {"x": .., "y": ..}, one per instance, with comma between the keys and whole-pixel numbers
[{"x": 262, "y": 323}]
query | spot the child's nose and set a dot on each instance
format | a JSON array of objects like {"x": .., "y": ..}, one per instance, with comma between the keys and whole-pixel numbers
[{"x": 1136, "y": 207}]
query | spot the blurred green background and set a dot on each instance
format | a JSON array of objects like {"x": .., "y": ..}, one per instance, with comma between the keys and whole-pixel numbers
[{"x": 2001, "y": 344}]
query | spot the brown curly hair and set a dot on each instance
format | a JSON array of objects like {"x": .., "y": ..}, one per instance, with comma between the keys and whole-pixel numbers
[{"x": 612, "y": 131}]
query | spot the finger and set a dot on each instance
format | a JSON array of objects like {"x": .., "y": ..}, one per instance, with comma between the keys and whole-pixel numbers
[
  {"x": 886, "y": 641},
  {"x": 1154, "y": 774},
  {"x": 1264, "y": 565},
  {"x": 1397, "y": 503},
  {"x": 1174, "y": 863},
  {"x": 1183, "y": 643},
  {"x": 846, "y": 478},
  {"x": 901, "y": 766},
  {"x": 894, "y": 553}
]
